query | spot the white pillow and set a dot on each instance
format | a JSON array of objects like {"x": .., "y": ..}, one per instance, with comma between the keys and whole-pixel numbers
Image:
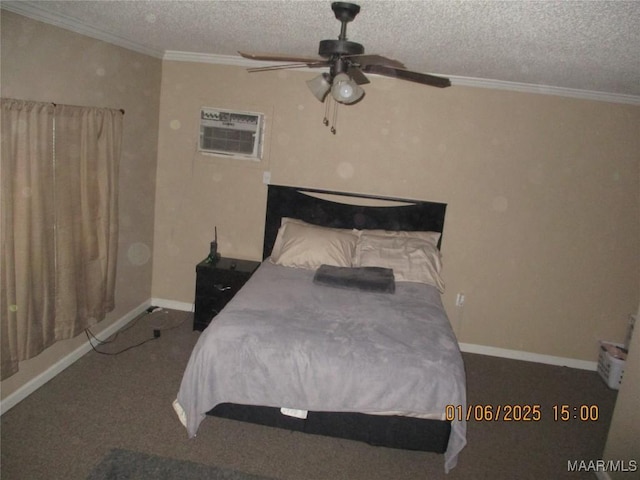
[
  {"x": 411, "y": 259},
  {"x": 431, "y": 237},
  {"x": 303, "y": 245}
]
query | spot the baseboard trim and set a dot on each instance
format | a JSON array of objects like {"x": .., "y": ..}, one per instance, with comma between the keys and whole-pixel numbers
[
  {"x": 529, "y": 356},
  {"x": 172, "y": 304},
  {"x": 32, "y": 385},
  {"x": 465, "y": 347}
]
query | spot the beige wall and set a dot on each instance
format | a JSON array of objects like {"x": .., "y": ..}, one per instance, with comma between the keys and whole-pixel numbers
[
  {"x": 542, "y": 230},
  {"x": 45, "y": 63}
]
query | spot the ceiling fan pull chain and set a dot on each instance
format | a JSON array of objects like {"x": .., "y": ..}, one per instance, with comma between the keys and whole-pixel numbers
[
  {"x": 335, "y": 117},
  {"x": 325, "y": 121}
]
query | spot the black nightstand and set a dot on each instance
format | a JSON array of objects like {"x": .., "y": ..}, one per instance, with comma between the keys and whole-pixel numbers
[{"x": 216, "y": 284}]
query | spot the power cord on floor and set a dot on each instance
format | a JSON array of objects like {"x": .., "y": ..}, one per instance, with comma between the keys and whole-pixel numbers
[{"x": 90, "y": 335}]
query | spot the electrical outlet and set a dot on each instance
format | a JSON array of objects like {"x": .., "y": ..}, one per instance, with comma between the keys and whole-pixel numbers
[{"x": 460, "y": 299}]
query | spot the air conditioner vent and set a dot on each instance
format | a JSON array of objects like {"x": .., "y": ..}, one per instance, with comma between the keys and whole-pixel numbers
[{"x": 231, "y": 133}]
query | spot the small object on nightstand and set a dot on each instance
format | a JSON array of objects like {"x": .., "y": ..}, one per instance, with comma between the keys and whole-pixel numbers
[
  {"x": 214, "y": 256},
  {"x": 216, "y": 284}
]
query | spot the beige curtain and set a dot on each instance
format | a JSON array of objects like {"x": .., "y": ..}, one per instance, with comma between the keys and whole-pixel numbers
[
  {"x": 27, "y": 235},
  {"x": 59, "y": 223}
]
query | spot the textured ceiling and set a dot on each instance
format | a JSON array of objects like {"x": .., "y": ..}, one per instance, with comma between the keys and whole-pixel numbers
[{"x": 583, "y": 45}]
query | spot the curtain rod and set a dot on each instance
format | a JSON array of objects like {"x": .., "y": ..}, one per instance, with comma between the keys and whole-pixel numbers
[{"x": 82, "y": 106}]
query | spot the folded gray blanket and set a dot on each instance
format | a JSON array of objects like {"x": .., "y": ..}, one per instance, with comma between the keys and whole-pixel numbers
[{"x": 370, "y": 279}]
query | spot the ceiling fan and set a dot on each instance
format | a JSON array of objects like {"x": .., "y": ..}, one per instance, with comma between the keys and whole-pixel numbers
[{"x": 347, "y": 64}]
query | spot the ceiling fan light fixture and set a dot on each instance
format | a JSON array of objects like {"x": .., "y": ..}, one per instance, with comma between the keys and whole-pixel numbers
[
  {"x": 320, "y": 86},
  {"x": 345, "y": 90}
]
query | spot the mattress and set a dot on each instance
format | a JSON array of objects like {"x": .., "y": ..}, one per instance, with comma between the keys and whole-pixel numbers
[{"x": 286, "y": 342}]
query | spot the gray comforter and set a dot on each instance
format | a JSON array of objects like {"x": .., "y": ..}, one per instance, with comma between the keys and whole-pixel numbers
[{"x": 284, "y": 341}]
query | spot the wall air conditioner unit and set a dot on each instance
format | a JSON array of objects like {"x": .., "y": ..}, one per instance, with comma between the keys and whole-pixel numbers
[{"x": 231, "y": 133}]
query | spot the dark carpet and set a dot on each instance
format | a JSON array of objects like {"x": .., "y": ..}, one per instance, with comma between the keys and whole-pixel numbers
[
  {"x": 101, "y": 403},
  {"x": 125, "y": 464}
]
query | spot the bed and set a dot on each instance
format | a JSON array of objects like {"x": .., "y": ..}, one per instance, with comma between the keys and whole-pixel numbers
[{"x": 292, "y": 351}]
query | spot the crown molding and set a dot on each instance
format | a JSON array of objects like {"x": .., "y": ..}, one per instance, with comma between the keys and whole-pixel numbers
[
  {"x": 545, "y": 90},
  {"x": 36, "y": 12},
  {"x": 233, "y": 60},
  {"x": 238, "y": 61},
  {"x": 40, "y": 14}
]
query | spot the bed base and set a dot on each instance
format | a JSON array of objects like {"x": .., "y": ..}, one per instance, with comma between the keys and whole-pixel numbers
[
  {"x": 405, "y": 433},
  {"x": 389, "y": 431}
]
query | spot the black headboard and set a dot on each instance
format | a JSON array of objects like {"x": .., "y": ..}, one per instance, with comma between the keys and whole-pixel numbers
[{"x": 295, "y": 202}]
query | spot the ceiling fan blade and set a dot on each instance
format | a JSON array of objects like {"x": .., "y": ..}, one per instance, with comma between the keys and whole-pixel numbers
[
  {"x": 402, "y": 74},
  {"x": 366, "y": 59},
  {"x": 287, "y": 65},
  {"x": 277, "y": 57},
  {"x": 357, "y": 76}
]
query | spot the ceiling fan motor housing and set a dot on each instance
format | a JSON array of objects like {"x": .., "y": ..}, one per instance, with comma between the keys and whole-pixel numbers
[{"x": 329, "y": 48}]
